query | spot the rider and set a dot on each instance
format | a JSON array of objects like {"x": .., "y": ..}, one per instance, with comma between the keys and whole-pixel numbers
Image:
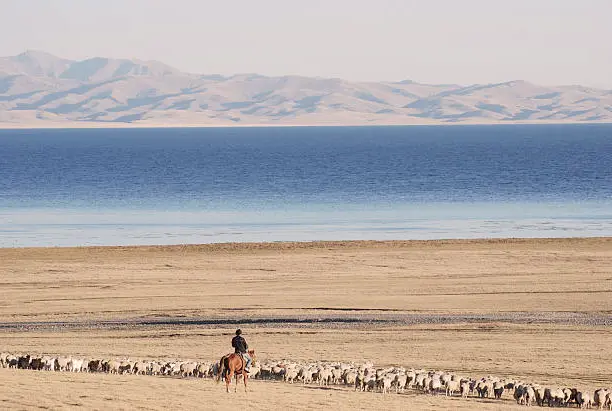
[{"x": 240, "y": 347}]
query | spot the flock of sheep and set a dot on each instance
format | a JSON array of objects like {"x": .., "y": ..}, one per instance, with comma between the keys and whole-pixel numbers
[
  {"x": 368, "y": 378},
  {"x": 364, "y": 377}
]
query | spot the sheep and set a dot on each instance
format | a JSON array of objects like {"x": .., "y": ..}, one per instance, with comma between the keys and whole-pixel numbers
[
  {"x": 4, "y": 359},
  {"x": 360, "y": 380},
  {"x": 410, "y": 377},
  {"x": 175, "y": 368},
  {"x": 530, "y": 396},
  {"x": 140, "y": 368},
  {"x": 94, "y": 365},
  {"x": 370, "y": 383},
  {"x": 23, "y": 362},
  {"x": 465, "y": 389},
  {"x": 401, "y": 380},
  {"x": 349, "y": 378},
  {"x": 188, "y": 369},
  {"x": 446, "y": 378},
  {"x": 569, "y": 395},
  {"x": 584, "y": 399},
  {"x": 427, "y": 383},
  {"x": 104, "y": 365},
  {"x": 85, "y": 365},
  {"x": 308, "y": 375},
  {"x": 324, "y": 376},
  {"x": 291, "y": 375},
  {"x": 63, "y": 364},
  {"x": 266, "y": 372},
  {"x": 554, "y": 396},
  {"x": 12, "y": 361},
  {"x": 385, "y": 383},
  {"x": 37, "y": 363},
  {"x": 540, "y": 393},
  {"x": 488, "y": 388},
  {"x": 337, "y": 374},
  {"x": 75, "y": 364},
  {"x": 519, "y": 394},
  {"x": 202, "y": 371},
  {"x": 435, "y": 385},
  {"x": 498, "y": 389},
  {"x": 156, "y": 368},
  {"x": 473, "y": 384},
  {"x": 420, "y": 381},
  {"x": 600, "y": 397},
  {"x": 49, "y": 364},
  {"x": 277, "y": 372},
  {"x": 254, "y": 371},
  {"x": 452, "y": 386},
  {"x": 303, "y": 374},
  {"x": 113, "y": 367},
  {"x": 484, "y": 388}
]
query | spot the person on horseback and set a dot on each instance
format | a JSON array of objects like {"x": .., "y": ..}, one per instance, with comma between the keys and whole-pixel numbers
[{"x": 241, "y": 347}]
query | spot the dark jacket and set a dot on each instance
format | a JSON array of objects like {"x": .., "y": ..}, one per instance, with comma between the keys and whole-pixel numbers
[{"x": 239, "y": 344}]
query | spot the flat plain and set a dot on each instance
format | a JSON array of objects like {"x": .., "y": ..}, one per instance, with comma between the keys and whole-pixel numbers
[{"x": 534, "y": 309}]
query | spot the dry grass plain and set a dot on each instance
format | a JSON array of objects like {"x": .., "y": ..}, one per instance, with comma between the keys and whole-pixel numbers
[{"x": 536, "y": 309}]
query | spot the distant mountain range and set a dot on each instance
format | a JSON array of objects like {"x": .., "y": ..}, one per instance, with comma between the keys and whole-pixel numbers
[{"x": 39, "y": 89}]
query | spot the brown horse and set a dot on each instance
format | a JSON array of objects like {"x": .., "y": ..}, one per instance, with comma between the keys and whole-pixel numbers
[{"x": 233, "y": 364}]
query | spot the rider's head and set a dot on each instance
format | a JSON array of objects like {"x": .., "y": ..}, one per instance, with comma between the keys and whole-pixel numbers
[{"x": 238, "y": 331}]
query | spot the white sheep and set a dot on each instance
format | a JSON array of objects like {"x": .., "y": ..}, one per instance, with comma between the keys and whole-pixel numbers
[
  {"x": 452, "y": 386},
  {"x": 584, "y": 399},
  {"x": 188, "y": 369},
  {"x": 4, "y": 359},
  {"x": 599, "y": 397},
  {"x": 385, "y": 383},
  {"x": 291, "y": 374},
  {"x": 400, "y": 382},
  {"x": 75, "y": 364},
  {"x": 63, "y": 363},
  {"x": 465, "y": 388}
]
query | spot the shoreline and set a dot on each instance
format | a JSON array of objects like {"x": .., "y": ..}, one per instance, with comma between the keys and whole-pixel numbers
[
  {"x": 313, "y": 245},
  {"x": 73, "y": 125}
]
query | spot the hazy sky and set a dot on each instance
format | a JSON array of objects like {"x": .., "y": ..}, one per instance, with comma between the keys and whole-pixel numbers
[{"x": 437, "y": 41}]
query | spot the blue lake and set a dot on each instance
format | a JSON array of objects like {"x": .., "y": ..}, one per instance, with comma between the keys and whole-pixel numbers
[{"x": 69, "y": 187}]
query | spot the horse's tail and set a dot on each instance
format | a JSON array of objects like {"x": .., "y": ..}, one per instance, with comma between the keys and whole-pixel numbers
[{"x": 221, "y": 369}]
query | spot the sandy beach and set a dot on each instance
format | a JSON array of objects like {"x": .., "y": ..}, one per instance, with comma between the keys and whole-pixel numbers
[{"x": 537, "y": 309}]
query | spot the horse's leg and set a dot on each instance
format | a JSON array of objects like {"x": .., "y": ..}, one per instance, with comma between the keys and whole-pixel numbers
[
  {"x": 244, "y": 375},
  {"x": 228, "y": 379},
  {"x": 236, "y": 387}
]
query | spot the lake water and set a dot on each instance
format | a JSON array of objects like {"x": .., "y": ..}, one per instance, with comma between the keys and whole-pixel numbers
[{"x": 70, "y": 187}]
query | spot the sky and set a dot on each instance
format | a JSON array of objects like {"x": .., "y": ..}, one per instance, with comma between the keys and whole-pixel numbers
[{"x": 548, "y": 42}]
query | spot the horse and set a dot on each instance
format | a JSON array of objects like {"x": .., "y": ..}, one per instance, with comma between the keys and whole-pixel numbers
[{"x": 233, "y": 364}]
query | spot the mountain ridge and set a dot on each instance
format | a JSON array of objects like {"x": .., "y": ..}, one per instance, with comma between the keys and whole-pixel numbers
[{"x": 38, "y": 89}]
